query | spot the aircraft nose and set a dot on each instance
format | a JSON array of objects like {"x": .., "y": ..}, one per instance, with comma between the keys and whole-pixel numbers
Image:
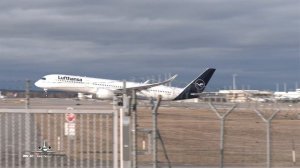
[{"x": 37, "y": 83}]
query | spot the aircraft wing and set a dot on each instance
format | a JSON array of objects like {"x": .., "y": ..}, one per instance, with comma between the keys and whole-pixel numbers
[
  {"x": 146, "y": 82},
  {"x": 39, "y": 151},
  {"x": 145, "y": 86}
]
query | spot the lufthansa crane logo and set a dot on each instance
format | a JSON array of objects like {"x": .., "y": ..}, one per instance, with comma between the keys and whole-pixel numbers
[{"x": 199, "y": 84}]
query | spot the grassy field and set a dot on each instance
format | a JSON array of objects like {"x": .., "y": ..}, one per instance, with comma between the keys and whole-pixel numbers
[{"x": 191, "y": 136}]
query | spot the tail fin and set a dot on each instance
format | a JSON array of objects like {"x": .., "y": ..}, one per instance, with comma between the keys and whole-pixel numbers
[{"x": 196, "y": 86}]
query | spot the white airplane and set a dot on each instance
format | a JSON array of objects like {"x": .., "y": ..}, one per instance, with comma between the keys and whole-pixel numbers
[
  {"x": 2, "y": 96},
  {"x": 44, "y": 149},
  {"x": 288, "y": 96},
  {"x": 106, "y": 89}
]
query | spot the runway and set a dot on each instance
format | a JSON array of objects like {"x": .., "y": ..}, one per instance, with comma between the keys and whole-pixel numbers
[{"x": 57, "y": 103}]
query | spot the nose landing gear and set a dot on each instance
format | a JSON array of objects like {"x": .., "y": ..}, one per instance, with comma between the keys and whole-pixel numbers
[{"x": 46, "y": 92}]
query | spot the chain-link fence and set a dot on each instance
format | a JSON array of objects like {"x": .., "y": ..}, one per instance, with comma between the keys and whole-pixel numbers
[
  {"x": 189, "y": 134},
  {"x": 224, "y": 135},
  {"x": 41, "y": 138}
]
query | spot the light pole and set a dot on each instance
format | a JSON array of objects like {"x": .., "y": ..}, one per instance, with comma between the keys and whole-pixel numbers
[{"x": 234, "y": 81}]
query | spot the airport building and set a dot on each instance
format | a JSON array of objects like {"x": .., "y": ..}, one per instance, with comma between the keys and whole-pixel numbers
[
  {"x": 246, "y": 95},
  {"x": 238, "y": 96}
]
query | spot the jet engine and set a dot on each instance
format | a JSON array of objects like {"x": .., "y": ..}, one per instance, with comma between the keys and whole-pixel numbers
[
  {"x": 104, "y": 94},
  {"x": 82, "y": 96}
]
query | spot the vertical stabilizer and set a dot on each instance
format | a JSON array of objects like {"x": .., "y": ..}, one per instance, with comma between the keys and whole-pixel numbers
[{"x": 196, "y": 86}]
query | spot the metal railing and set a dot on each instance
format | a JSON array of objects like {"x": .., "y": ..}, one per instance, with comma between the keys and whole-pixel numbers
[{"x": 86, "y": 141}]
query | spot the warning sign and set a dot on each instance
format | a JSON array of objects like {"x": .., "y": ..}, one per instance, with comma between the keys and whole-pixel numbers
[
  {"x": 70, "y": 129},
  {"x": 70, "y": 117}
]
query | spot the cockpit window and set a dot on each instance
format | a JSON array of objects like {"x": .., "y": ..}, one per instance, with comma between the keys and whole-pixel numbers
[{"x": 43, "y": 78}]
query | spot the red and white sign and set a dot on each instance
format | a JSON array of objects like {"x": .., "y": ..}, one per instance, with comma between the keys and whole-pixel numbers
[
  {"x": 70, "y": 117},
  {"x": 70, "y": 129}
]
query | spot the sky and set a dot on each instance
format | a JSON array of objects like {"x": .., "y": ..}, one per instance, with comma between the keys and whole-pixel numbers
[{"x": 259, "y": 40}]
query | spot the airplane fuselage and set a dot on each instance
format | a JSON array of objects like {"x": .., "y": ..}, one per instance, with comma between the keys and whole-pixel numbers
[
  {"x": 106, "y": 88},
  {"x": 102, "y": 88}
]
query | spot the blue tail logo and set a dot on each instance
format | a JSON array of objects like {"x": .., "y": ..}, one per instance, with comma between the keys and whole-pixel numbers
[{"x": 199, "y": 85}]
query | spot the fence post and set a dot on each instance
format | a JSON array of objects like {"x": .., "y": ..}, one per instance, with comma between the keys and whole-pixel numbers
[
  {"x": 133, "y": 127},
  {"x": 222, "y": 118},
  {"x": 27, "y": 122},
  {"x": 125, "y": 134},
  {"x": 154, "y": 131},
  {"x": 268, "y": 122},
  {"x": 115, "y": 132}
]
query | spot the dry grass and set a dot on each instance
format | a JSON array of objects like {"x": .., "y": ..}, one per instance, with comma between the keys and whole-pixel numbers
[{"x": 191, "y": 136}]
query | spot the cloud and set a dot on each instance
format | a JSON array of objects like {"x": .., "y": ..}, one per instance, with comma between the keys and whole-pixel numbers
[{"x": 256, "y": 39}]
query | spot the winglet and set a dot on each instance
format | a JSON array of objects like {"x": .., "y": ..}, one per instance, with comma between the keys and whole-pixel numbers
[
  {"x": 170, "y": 79},
  {"x": 161, "y": 83},
  {"x": 146, "y": 82},
  {"x": 146, "y": 86}
]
